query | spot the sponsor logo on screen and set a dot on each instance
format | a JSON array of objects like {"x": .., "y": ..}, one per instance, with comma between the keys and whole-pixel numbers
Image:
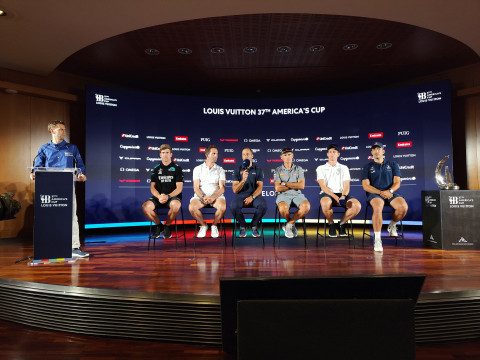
[
  {"x": 205, "y": 139},
  {"x": 129, "y": 169},
  {"x": 370, "y": 157},
  {"x": 429, "y": 96},
  {"x": 300, "y": 160},
  {"x": 228, "y": 161},
  {"x": 274, "y": 150},
  {"x": 272, "y": 181},
  {"x": 53, "y": 200},
  {"x": 321, "y": 149},
  {"x": 130, "y": 136},
  {"x": 404, "y": 156},
  {"x": 323, "y": 138},
  {"x": 153, "y": 148},
  {"x": 181, "y": 138},
  {"x": 105, "y": 100},
  {"x": 202, "y": 149},
  {"x": 349, "y": 147},
  {"x": 181, "y": 149},
  {"x": 375, "y": 135},
  {"x": 403, "y": 133},
  {"x": 355, "y": 169},
  {"x": 406, "y": 167},
  {"x": 129, "y": 180},
  {"x": 128, "y": 147},
  {"x": 252, "y": 140},
  {"x": 229, "y": 140},
  {"x": 274, "y": 160},
  {"x": 404, "y": 144},
  {"x": 153, "y": 159},
  {"x": 129, "y": 158},
  {"x": 181, "y": 160},
  {"x": 299, "y": 139},
  {"x": 276, "y": 140},
  {"x": 349, "y": 158},
  {"x": 156, "y": 137},
  {"x": 228, "y": 150},
  {"x": 409, "y": 178},
  {"x": 301, "y": 150},
  {"x": 349, "y": 137}
]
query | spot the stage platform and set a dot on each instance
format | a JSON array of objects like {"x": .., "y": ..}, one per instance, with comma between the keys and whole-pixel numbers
[{"x": 172, "y": 294}]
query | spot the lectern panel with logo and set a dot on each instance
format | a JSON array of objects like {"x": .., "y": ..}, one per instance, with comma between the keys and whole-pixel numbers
[
  {"x": 52, "y": 236},
  {"x": 451, "y": 219}
]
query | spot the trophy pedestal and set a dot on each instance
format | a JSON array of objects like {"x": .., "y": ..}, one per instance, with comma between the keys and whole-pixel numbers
[{"x": 451, "y": 219}]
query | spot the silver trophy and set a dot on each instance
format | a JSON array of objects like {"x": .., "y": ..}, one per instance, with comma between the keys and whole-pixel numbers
[{"x": 444, "y": 182}]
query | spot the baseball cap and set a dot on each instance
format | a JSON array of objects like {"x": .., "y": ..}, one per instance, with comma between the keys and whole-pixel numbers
[
  {"x": 287, "y": 150},
  {"x": 377, "y": 144},
  {"x": 333, "y": 146}
]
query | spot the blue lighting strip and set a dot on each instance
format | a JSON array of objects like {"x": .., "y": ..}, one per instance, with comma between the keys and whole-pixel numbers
[{"x": 147, "y": 223}]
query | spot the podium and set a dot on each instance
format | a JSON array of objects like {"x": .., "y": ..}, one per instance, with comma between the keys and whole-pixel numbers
[
  {"x": 451, "y": 219},
  {"x": 52, "y": 232}
]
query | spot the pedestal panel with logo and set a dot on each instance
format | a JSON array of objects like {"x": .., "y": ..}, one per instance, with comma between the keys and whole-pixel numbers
[
  {"x": 451, "y": 219},
  {"x": 52, "y": 232}
]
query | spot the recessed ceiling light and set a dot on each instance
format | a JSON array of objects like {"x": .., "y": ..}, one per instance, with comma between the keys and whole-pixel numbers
[
  {"x": 350, "y": 47},
  {"x": 185, "y": 51},
  {"x": 384, "y": 45},
  {"x": 217, "y": 50},
  {"x": 316, "y": 48},
  {"x": 3, "y": 13},
  {"x": 152, "y": 52},
  {"x": 250, "y": 49},
  {"x": 284, "y": 49}
]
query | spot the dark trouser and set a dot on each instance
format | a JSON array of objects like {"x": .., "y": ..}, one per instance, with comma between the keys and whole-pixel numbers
[{"x": 237, "y": 204}]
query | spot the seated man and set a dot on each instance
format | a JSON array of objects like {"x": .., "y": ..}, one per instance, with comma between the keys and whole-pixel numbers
[
  {"x": 334, "y": 181},
  {"x": 247, "y": 185},
  {"x": 289, "y": 181},
  {"x": 381, "y": 179},
  {"x": 208, "y": 187},
  {"x": 166, "y": 185}
]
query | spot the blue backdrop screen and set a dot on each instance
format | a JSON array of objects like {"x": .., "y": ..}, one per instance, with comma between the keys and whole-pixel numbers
[{"x": 125, "y": 129}]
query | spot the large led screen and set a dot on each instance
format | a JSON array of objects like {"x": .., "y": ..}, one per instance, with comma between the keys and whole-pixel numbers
[{"x": 125, "y": 129}]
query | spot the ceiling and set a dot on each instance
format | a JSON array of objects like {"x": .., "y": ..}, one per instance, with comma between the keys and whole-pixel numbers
[{"x": 92, "y": 39}]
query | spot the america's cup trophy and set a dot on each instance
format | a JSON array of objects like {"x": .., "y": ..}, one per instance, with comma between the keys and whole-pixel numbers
[{"x": 444, "y": 182}]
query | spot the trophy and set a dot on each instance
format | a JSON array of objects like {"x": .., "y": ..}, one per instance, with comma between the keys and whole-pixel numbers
[{"x": 444, "y": 183}]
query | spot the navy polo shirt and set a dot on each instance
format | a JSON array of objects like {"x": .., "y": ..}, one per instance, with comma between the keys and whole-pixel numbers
[
  {"x": 254, "y": 174},
  {"x": 381, "y": 175}
]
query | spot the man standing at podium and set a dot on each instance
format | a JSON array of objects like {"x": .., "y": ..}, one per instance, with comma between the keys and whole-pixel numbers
[{"x": 61, "y": 154}]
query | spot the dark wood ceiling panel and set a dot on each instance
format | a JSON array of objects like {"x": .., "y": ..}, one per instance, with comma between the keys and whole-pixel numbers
[{"x": 415, "y": 52}]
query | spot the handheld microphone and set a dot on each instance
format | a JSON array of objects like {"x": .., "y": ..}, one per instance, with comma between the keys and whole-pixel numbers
[{"x": 245, "y": 164}]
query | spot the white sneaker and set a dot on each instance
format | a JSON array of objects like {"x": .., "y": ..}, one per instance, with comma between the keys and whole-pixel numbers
[
  {"x": 377, "y": 245},
  {"x": 214, "y": 231},
  {"x": 289, "y": 231},
  {"x": 203, "y": 231},
  {"x": 392, "y": 230}
]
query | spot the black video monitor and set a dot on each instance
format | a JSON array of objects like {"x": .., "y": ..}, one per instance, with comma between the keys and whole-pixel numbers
[{"x": 406, "y": 286}]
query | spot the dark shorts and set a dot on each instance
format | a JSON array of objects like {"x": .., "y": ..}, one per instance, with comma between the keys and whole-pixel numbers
[
  {"x": 370, "y": 197},
  {"x": 164, "y": 206},
  {"x": 347, "y": 197}
]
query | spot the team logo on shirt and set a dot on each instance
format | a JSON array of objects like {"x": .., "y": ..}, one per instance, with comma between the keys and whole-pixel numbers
[
  {"x": 68, "y": 153},
  {"x": 171, "y": 168}
]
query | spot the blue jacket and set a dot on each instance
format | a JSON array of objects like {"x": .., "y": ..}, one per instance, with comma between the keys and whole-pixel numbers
[{"x": 64, "y": 155}]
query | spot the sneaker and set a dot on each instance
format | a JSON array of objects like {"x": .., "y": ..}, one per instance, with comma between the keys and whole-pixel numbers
[
  {"x": 377, "y": 245},
  {"x": 167, "y": 234},
  {"x": 214, "y": 231},
  {"x": 255, "y": 232},
  {"x": 332, "y": 232},
  {"x": 342, "y": 229},
  {"x": 294, "y": 230},
  {"x": 77, "y": 253},
  {"x": 289, "y": 231},
  {"x": 158, "y": 231},
  {"x": 392, "y": 230},
  {"x": 203, "y": 231},
  {"x": 243, "y": 232}
]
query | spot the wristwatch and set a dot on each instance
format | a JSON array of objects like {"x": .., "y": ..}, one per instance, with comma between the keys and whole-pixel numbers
[
  {"x": 254, "y": 197},
  {"x": 391, "y": 191},
  {"x": 283, "y": 183}
]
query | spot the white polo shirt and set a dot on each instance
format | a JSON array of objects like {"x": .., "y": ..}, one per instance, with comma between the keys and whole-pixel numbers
[
  {"x": 334, "y": 176},
  {"x": 209, "y": 178}
]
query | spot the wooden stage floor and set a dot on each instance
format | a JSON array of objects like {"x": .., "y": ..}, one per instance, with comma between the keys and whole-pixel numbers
[{"x": 122, "y": 261}]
